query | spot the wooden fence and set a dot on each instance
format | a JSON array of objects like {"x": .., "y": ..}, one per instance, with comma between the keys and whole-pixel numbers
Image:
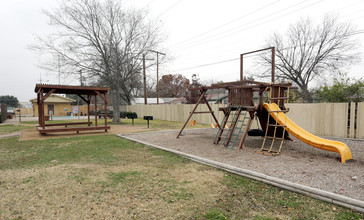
[{"x": 323, "y": 119}]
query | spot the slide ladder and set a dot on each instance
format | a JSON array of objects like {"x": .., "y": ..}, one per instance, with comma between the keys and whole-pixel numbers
[{"x": 271, "y": 149}]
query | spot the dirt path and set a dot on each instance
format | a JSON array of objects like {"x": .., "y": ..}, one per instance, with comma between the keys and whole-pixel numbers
[
  {"x": 298, "y": 162},
  {"x": 10, "y": 135}
]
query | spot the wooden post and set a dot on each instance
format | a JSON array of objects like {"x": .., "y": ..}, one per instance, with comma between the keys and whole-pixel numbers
[
  {"x": 88, "y": 109},
  {"x": 194, "y": 109},
  {"x": 95, "y": 110},
  {"x": 42, "y": 108},
  {"x": 213, "y": 115},
  {"x": 106, "y": 110},
  {"x": 241, "y": 144},
  {"x": 38, "y": 103},
  {"x": 241, "y": 67}
]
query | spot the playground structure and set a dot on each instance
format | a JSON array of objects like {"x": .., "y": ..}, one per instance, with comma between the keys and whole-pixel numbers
[
  {"x": 271, "y": 114},
  {"x": 44, "y": 91}
]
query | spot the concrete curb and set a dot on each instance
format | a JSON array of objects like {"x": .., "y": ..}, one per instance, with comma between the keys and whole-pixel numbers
[{"x": 305, "y": 190}]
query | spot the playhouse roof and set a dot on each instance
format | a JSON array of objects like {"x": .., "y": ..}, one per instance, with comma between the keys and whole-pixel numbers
[{"x": 67, "y": 89}]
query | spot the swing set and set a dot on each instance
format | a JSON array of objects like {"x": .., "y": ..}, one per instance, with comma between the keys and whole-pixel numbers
[{"x": 241, "y": 110}]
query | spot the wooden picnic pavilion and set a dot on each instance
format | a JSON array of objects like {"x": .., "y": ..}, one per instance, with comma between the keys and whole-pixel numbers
[{"x": 84, "y": 92}]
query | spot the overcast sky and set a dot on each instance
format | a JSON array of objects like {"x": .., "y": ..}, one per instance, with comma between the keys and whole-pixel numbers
[{"x": 200, "y": 33}]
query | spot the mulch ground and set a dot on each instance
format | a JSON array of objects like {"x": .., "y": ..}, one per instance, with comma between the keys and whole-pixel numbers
[{"x": 298, "y": 162}]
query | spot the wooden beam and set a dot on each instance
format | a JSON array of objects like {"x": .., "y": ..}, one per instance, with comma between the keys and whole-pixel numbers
[
  {"x": 99, "y": 94},
  {"x": 106, "y": 110},
  {"x": 42, "y": 109},
  {"x": 47, "y": 95},
  {"x": 87, "y": 101},
  {"x": 96, "y": 110},
  {"x": 88, "y": 108},
  {"x": 194, "y": 109},
  {"x": 212, "y": 112}
]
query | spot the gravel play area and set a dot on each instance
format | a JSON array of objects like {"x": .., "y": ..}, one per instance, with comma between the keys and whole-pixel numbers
[{"x": 298, "y": 162}]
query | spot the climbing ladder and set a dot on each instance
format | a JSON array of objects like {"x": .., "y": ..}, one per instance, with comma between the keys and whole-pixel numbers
[
  {"x": 235, "y": 130},
  {"x": 271, "y": 123},
  {"x": 225, "y": 121}
]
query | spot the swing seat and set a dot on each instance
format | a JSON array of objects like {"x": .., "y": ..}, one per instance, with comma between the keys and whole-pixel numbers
[
  {"x": 256, "y": 132},
  {"x": 214, "y": 126}
]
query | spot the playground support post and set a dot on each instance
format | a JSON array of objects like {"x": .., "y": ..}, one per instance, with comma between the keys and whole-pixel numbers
[
  {"x": 191, "y": 113},
  {"x": 256, "y": 51}
]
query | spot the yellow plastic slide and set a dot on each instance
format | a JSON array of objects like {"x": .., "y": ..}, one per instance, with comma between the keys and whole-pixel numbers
[{"x": 308, "y": 138}]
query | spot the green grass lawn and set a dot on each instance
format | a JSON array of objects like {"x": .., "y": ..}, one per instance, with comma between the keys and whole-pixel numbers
[{"x": 109, "y": 177}]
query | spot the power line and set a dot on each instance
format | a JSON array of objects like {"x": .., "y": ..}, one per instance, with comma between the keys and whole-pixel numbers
[
  {"x": 228, "y": 44},
  {"x": 230, "y": 60},
  {"x": 168, "y": 9},
  {"x": 227, "y": 33},
  {"x": 225, "y": 24}
]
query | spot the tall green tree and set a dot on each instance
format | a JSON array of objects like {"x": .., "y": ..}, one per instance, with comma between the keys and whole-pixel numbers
[
  {"x": 342, "y": 90},
  {"x": 9, "y": 100},
  {"x": 103, "y": 40},
  {"x": 307, "y": 51}
]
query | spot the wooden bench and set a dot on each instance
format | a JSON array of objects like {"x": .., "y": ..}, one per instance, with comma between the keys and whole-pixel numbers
[
  {"x": 66, "y": 129},
  {"x": 66, "y": 124}
]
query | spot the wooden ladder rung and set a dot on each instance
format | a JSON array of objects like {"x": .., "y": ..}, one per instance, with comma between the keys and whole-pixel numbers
[
  {"x": 274, "y": 125},
  {"x": 276, "y": 138}
]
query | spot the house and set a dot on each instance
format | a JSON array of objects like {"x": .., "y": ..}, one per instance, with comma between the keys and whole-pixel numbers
[
  {"x": 54, "y": 104},
  {"x": 137, "y": 101},
  {"x": 217, "y": 98}
]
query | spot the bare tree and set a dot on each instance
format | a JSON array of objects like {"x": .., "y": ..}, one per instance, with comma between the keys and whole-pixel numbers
[
  {"x": 307, "y": 51},
  {"x": 105, "y": 41}
]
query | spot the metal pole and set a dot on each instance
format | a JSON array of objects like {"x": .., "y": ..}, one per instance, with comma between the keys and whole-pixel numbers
[{"x": 145, "y": 81}]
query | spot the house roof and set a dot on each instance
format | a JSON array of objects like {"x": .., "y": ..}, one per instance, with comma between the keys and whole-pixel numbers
[
  {"x": 149, "y": 101},
  {"x": 55, "y": 99}
]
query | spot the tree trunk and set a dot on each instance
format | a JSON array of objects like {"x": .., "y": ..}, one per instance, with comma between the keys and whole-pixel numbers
[
  {"x": 306, "y": 95},
  {"x": 116, "y": 104}
]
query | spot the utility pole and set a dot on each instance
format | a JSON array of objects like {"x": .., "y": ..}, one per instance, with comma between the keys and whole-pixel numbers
[
  {"x": 145, "y": 81},
  {"x": 157, "y": 52},
  {"x": 59, "y": 71}
]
